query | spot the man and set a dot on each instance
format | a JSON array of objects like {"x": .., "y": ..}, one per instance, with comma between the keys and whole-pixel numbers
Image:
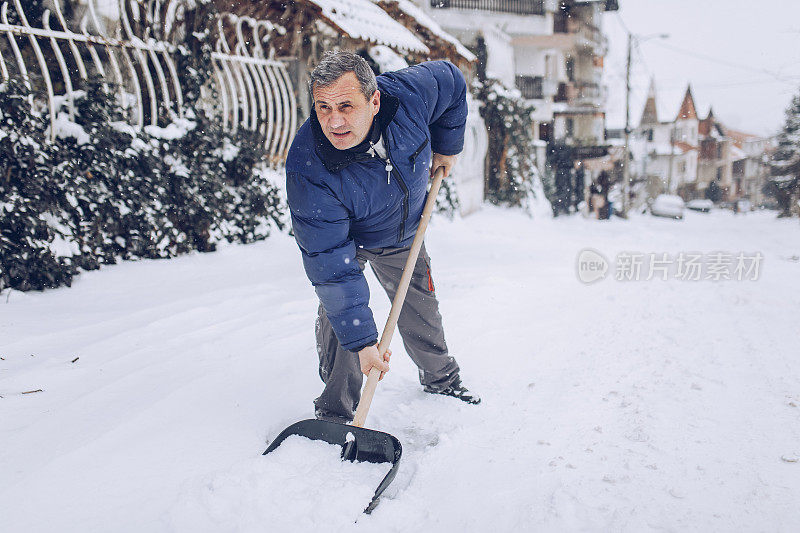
[{"x": 356, "y": 180}]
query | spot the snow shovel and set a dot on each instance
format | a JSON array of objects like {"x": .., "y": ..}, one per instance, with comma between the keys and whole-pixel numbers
[{"x": 357, "y": 442}]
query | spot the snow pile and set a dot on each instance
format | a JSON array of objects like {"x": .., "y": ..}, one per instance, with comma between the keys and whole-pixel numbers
[
  {"x": 387, "y": 59},
  {"x": 300, "y": 486},
  {"x": 174, "y": 130},
  {"x": 65, "y": 128},
  {"x": 60, "y": 246},
  {"x": 361, "y": 19}
]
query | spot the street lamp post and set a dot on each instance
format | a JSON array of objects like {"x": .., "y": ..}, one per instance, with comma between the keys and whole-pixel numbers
[{"x": 626, "y": 173}]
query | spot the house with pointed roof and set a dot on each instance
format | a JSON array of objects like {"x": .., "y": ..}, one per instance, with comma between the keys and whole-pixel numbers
[
  {"x": 665, "y": 153},
  {"x": 716, "y": 157},
  {"x": 686, "y": 155},
  {"x": 750, "y": 169}
]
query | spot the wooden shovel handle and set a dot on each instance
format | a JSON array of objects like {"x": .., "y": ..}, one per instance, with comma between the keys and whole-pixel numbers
[{"x": 399, "y": 298}]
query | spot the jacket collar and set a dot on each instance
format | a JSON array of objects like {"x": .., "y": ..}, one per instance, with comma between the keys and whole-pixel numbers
[{"x": 335, "y": 159}]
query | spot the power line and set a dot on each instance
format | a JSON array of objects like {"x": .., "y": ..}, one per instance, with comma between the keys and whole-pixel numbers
[
  {"x": 692, "y": 53},
  {"x": 622, "y": 22},
  {"x": 669, "y": 85},
  {"x": 792, "y": 79}
]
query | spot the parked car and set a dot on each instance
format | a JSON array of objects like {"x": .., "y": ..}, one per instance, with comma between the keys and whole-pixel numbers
[
  {"x": 704, "y": 206},
  {"x": 667, "y": 205},
  {"x": 743, "y": 205}
]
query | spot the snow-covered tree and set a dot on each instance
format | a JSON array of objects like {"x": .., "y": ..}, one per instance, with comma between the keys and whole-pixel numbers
[
  {"x": 785, "y": 183},
  {"x": 512, "y": 173}
]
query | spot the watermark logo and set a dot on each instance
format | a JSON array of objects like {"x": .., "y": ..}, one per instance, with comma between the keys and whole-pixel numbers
[
  {"x": 592, "y": 266},
  {"x": 683, "y": 266}
]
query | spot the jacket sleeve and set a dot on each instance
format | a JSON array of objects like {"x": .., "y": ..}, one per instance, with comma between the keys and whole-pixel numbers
[
  {"x": 321, "y": 227},
  {"x": 443, "y": 92}
]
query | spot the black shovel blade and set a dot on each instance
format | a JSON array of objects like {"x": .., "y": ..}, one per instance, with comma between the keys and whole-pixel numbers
[{"x": 366, "y": 445}]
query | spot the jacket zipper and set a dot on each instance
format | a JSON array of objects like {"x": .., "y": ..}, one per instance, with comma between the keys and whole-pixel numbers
[
  {"x": 413, "y": 157},
  {"x": 391, "y": 170}
]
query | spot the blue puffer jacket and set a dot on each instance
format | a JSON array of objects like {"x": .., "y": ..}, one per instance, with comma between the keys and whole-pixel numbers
[{"x": 343, "y": 199}]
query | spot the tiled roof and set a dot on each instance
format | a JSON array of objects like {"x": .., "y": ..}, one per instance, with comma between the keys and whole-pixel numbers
[
  {"x": 650, "y": 114},
  {"x": 684, "y": 147},
  {"x": 687, "y": 109}
]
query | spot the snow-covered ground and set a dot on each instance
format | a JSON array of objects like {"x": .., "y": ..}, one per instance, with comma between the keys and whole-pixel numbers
[{"x": 619, "y": 405}]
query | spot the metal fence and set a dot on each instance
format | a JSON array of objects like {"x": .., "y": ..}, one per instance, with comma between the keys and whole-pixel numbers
[
  {"x": 254, "y": 90},
  {"x": 518, "y": 7}
]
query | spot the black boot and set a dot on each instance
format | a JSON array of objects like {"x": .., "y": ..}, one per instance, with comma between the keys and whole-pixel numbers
[
  {"x": 321, "y": 414},
  {"x": 457, "y": 390}
]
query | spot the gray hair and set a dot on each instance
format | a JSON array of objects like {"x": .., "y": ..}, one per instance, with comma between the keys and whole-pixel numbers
[{"x": 336, "y": 64}]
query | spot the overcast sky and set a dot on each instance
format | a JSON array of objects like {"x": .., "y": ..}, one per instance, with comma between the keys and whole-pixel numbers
[{"x": 741, "y": 57}]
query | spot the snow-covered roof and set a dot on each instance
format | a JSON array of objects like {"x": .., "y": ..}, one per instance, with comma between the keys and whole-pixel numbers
[
  {"x": 410, "y": 9},
  {"x": 387, "y": 59},
  {"x": 737, "y": 153},
  {"x": 362, "y": 19},
  {"x": 104, "y": 8},
  {"x": 665, "y": 149},
  {"x": 679, "y": 148}
]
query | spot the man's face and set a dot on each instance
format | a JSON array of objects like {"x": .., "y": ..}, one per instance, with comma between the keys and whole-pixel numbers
[{"x": 344, "y": 113}]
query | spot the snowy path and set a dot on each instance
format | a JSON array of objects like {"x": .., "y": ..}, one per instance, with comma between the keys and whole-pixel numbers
[{"x": 627, "y": 406}]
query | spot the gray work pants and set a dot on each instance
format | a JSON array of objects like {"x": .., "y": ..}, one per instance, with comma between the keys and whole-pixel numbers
[{"x": 420, "y": 326}]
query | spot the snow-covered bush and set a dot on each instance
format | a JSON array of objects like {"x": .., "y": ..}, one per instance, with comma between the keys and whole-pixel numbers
[
  {"x": 32, "y": 252},
  {"x": 102, "y": 191},
  {"x": 447, "y": 202}
]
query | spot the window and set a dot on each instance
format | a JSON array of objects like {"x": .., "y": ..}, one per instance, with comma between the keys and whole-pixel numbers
[
  {"x": 545, "y": 131},
  {"x": 570, "y": 67},
  {"x": 570, "y": 127}
]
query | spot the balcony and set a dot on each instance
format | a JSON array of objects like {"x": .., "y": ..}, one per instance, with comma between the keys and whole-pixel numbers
[
  {"x": 591, "y": 37},
  {"x": 581, "y": 94},
  {"x": 536, "y": 87},
  {"x": 517, "y": 7},
  {"x": 583, "y": 34},
  {"x": 590, "y": 94}
]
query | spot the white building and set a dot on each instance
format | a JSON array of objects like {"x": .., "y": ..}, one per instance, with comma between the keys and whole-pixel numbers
[
  {"x": 551, "y": 50},
  {"x": 665, "y": 153}
]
